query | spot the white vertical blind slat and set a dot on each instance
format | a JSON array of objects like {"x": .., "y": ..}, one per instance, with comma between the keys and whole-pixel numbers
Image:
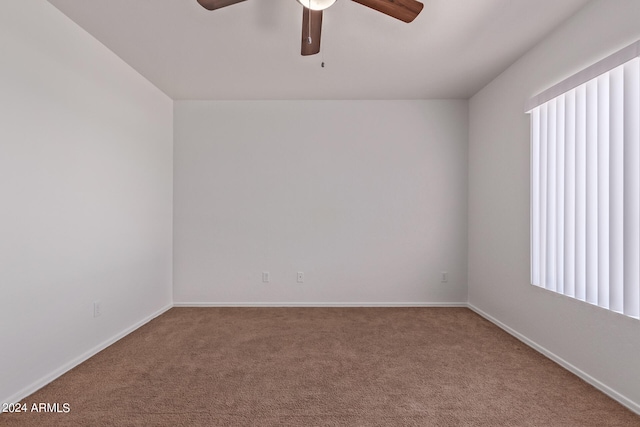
[
  {"x": 535, "y": 197},
  {"x": 581, "y": 193},
  {"x": 603, "y": 152},
  {"x": 551, "y": 196},
  {"x": 631, "y": 187},
  {"x": 543, "y": 195},
  {"x": 570, "y": 194},
  {"x": 592, "y": 193},
  {"x": 616, "y": 190},
  {"x": 560, "y": 196}
]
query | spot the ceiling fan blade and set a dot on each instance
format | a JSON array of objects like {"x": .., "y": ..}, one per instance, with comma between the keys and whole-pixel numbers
[
  {"x": 313, "y": 32},
  {"x": 404, "y": 10},
  {"x": 217, "y": 4}
]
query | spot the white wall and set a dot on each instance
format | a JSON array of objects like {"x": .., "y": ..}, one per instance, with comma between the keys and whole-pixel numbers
[
  {"x": 604, "y": 345},
  {"x": 367, "y": 198},
  {"x": 85, "y": 196}
]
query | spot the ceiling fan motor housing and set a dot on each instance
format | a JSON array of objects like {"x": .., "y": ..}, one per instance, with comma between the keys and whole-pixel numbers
[{"x": 316, "y": 4}]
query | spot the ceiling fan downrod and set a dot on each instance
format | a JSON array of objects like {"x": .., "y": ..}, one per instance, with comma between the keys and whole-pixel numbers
[{"x": 309, "y": 39}]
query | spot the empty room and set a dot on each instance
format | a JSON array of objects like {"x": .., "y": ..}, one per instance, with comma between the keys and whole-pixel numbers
[{"x": 320, "y": 212}]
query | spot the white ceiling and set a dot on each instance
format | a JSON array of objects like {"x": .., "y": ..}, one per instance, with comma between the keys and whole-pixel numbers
[{"x": 251, "y": 50}]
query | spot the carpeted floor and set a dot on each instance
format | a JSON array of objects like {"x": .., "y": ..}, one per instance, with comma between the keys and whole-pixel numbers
[{"x": 322, "y": 367}]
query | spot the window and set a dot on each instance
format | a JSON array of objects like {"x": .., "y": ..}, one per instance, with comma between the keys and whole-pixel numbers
[{"x": 585, "y": 185}]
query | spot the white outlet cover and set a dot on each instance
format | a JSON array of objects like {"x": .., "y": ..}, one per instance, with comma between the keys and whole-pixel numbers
[{"x": 97, "y": 309}]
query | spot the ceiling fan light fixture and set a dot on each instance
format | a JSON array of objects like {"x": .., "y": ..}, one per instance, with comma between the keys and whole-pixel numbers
[{"x": 316, "y": 4}]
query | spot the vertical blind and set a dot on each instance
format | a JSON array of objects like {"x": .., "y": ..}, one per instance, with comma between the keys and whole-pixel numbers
[{"x": 585, "y": 188}]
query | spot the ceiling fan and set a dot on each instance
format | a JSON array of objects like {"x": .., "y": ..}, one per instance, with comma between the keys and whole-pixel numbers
[{"x": 404, "y": 10}]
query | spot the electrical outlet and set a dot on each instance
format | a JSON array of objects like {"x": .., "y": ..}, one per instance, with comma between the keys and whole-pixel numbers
[
  {"x": 97, "y": 309},
  {"x": 443, "y": 277},
  {"x": 300, "y": 277},
  {"x": 265, "y": 277}
]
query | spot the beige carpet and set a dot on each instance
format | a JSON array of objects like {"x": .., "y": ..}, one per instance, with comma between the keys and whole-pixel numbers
[{"x": 322, "y": 367}]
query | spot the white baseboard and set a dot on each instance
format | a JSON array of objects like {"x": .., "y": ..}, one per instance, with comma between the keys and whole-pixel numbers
[
  {"x": 320, "y": 304},
  {"x": 623, "y": 400},
  {"x": 37, "y": 385}
]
